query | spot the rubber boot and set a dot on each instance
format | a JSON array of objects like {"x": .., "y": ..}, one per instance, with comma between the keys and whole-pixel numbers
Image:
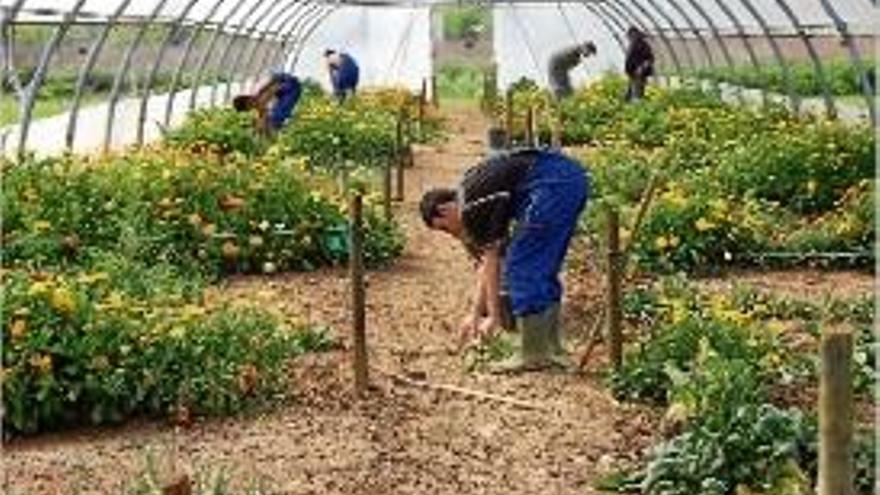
[
  {"x": 535, "y": 352},
  {"x": 556, "y": 340}
]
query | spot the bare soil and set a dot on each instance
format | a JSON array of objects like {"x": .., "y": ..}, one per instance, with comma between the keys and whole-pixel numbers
[{"x": 397, "y": 439}]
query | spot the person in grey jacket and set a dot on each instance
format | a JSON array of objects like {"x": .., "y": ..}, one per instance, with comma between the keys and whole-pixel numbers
[{"x": 561, "y": 64}]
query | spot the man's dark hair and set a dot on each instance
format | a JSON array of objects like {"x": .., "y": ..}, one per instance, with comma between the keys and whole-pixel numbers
[
  {"x": 431, "y": 201},
  {"x": 243, "y": 103},
  {"x": 635, "y": 32},
  {"x": 329, "y": 52}
]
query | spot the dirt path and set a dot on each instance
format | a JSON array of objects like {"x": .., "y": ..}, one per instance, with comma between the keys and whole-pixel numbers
[{"x": 399, "y": 440}]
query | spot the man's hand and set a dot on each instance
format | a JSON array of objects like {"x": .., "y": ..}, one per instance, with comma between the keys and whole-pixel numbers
[
  {"x": 487, "y": 327},
  {"x": 466, "y": 330}
]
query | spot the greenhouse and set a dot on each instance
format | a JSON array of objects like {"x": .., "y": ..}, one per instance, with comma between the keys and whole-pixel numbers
[{"x": 387, "y": 246}]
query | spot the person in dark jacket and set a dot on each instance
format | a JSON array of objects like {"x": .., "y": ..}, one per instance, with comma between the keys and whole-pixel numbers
[
  {"x": 541, "y": 192},
  {"x": 344, "y": 73},
  {"x": 274, "y": 102},
  {"x": 639, "y": 64},
  {"x": 561, "y": 64}
]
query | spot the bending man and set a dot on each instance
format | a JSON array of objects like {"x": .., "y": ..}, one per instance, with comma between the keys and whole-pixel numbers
[
  {"x": 344, "y": 73},
  {"x": 274, "y": 102},
  {"x": 543, "y": 193},
  {"x": 562, "y": 62}
]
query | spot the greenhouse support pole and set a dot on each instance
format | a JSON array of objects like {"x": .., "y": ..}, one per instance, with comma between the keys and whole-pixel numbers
[
  {"x": 307, "y": 32},
  {"x": 830, "y": 109},
  {"x": 855, "y": 57},
  {"x": 178, "y": 73},
  {"x": 836, "y": 415},
  {"x": 244, "y": 30},
  {"x": 399, "y": 154},
  {"x": 722, "y": 44},
  {"x": 218, "y": 31},
  {"x": 173, "y": 30},
  {"x": 267, "y": 43},
  {"x": 746, "y": 41},
  {"x": 33, "y": 86},
  {"x": 710, "y": 59},
  {"x": 508, "y": 116},
  {"x": 613, "y": 297},
  {"x": 86, "y": 70},
  {"x": 254, "y": 40},
  {"x": 692, "y": 60},
  {"x": 358, "y": 293},
  {"x": 530, "y": 126},
  {"x": 793, "y": 97},
  {"x": 291, "y": 25},
  {"x": 588, "y": 5},
  {"x": 113, "y": 99}
]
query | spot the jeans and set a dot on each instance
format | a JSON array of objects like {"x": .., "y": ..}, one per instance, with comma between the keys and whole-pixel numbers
[{"x": 547, "y": 211}]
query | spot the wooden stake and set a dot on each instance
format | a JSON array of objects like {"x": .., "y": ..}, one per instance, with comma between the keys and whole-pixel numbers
[
  {"x": 422, "y": 101},
  {"x": 400, "y": 157},
  {"x": 556, "y": 132},
  {"x": 435, "y": 98},
  {"x": 836, "y": 415},
  {"x": 358, "y": 293},
  {"x": 508, "y": 117},
  {"x": 386, "y": 189},
  {"x": 530, "y": 126},
  {"x": 615, "y": 313}
]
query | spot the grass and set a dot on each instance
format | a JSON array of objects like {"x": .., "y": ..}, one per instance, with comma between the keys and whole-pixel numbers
[{"x": 44, "y": 107}]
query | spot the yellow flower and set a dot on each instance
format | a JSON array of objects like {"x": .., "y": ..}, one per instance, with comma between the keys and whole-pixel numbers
[
  {"x": 42, "y": 363},
  {"x": 209, "y": 229},
  {"x": 661, "y": 242},
  {"x": 811, "y": 186},
  {"x": 18, "y": 328},
  {"x": 62, "y": 300},
  {"x": 195, "y": 219},
  {"x": 38, "y": 288},
  {"x": 255, "y": 241},
  {"x": 42, "y": 225},
  {"x": 674, "y": 241},
  {"x": 703, "y": 225}
]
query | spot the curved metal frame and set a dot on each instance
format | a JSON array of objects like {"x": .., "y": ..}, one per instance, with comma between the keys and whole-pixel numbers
[
  {"x": 296, "y": 39},
  {"x": 173, "y": 30},
  {"x": 243, "y": 29},
  {"x": 86, "y": 70},
  {"x": 113, "y": 100},
  {"x": 178, "y": 73},
  {"x": 746, "y": 41},
  {"x": 588, "y": 5},
  {"x": 678, "y": 32},
  {"x": 309, "y": 31},
  {"x": 219, "y": 30},
  {"x": 830, "y": 110},
  {"x": 710, "y": 59},
  {"x": 672, "y": 52},
  {"x": 252, "y": 42},
  {"x": 843, "y": 32},
  {"x": 292, "y": 33},
  {"x": 33, "y": 86},
  {"x": 271, "y": 28},
  {"x": 291, "y": 21},
  {"x": 719, "y": 40},
  {"x": 793, "y": 97}
]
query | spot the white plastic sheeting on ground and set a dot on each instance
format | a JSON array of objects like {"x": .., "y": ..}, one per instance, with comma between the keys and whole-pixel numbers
[
  {"x": 392, "y": 45},
  {"x": 527, "y": 35}
]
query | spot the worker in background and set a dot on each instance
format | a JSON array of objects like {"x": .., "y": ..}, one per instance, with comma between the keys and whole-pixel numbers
[
  {"x": 561, "y": 64},
  {"x": 344, "y": 73},
  {"x": 274, "y": 102},
  {"x": 639, "y": 64},
  {"x": 543, "y": 193}
]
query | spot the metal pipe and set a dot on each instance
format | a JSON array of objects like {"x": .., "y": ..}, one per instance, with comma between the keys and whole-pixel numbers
[
  {"x": 746, "y": 41},
  {"x": 293, "y": 33},
  {"x": 291, "y": 22},
  {"x": 190, "y": 43},
  {"x": 722, "y": 43},
  {"x": 311, "y": 30},
  {"x": 244, "y": 27},
  {"x": 842, "y": 29},
  {"x": 86, "y": 70},
  {"x": 269, "y": 14},
  {"x": 793, "y": 98},
  {"x": 157, "y": 64},
  {"x": 586, "y": 4},
  {"x": 265, "y": 38},
  {"x": 710, "y": 59},
  {"x": 203, "y": 62},
  {"x": 33, "y": 86},
  {"x": 113, "y": 100},
  {"x": 830, "y": 110},
  {"x": 678, "y": 32}
]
